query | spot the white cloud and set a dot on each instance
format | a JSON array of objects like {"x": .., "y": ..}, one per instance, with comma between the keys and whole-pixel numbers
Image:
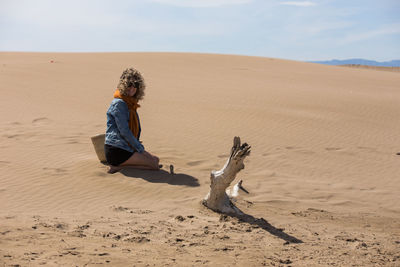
[
  {"x": 388, "y": 30},
  {"x": 324, "y": 26},
  {"x": 52, "y": 14},
  {"x": 201, "y": 3},
  {"x": 295, "y": 3}
]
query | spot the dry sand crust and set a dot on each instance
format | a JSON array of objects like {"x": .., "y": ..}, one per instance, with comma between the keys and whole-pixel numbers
[{"x": 324, "y": 169}]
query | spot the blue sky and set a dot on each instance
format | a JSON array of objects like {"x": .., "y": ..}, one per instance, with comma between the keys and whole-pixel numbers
[{"x": 299, "y": 30}]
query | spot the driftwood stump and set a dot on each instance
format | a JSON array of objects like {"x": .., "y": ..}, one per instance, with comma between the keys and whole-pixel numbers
[{"x": 217, "y": 199}]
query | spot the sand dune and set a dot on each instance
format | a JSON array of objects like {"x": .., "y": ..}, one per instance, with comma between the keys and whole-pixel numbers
[
  {"x": 324, "y": 167},
  {"x": 394, "y": 69}
]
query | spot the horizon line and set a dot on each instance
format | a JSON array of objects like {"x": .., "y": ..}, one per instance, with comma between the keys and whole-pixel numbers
[{"x": 191, "y": 52}]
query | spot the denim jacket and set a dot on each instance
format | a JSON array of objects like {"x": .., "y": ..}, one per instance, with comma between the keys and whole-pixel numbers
[{"x": 118, "y": 133}]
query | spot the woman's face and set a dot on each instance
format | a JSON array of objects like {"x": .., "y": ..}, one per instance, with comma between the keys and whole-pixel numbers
[{"x": 131, "y": 91}]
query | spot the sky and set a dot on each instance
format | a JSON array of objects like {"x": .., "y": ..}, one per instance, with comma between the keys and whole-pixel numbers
[{"x": 297, "y": 30}]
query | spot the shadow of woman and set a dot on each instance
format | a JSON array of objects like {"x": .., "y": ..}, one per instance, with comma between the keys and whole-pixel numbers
[{"x": 161, "y": 177}]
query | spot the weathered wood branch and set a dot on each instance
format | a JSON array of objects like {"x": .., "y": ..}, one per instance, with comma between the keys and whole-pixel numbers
[{"x": 217, "y": 199}]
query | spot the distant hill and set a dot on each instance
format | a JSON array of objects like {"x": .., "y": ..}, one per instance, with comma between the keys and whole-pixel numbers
[{"x": 359, "y": 61}]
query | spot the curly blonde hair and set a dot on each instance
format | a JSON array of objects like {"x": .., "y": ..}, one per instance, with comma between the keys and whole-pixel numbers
[{"x": 132, "y": 77}]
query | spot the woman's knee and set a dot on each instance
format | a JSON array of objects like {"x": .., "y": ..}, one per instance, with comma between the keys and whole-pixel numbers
[
  {"x": 154, "y": 158},
  {"x": 149, "y": 160},
  {"x": 156, "y": 161}
]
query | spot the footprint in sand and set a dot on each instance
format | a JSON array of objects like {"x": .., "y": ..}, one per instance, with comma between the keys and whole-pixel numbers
[
  {"x": 55, "y": 171},
  {"x": 72, "y": 142},
  {"x": 305, "y": 151},
  {"x": 333, "y": 148},
  {"x": 299, "y": 150},
  {"x": 12, "y": 136},
  {"x": 339, "y": 150},
  {"x": 99, "y": 174},
  {"x": 195, "y": 163},
  {"x": 369, "y": 149},
  {"x": 40, "y": 121}
]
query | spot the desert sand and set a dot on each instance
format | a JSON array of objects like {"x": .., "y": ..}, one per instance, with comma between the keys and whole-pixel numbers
[{"x": 323, "y": 174}]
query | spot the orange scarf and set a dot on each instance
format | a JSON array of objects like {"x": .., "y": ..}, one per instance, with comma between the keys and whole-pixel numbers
[{"x": 132, "y": 105}]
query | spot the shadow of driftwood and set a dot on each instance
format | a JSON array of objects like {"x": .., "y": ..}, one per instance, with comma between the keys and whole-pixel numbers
[
  {"x": 161, "y": 177},
  {"x": 262, "y": 223}
]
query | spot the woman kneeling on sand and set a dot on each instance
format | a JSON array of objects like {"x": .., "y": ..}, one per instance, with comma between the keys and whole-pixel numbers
[{"x": 122, "y": 146}]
